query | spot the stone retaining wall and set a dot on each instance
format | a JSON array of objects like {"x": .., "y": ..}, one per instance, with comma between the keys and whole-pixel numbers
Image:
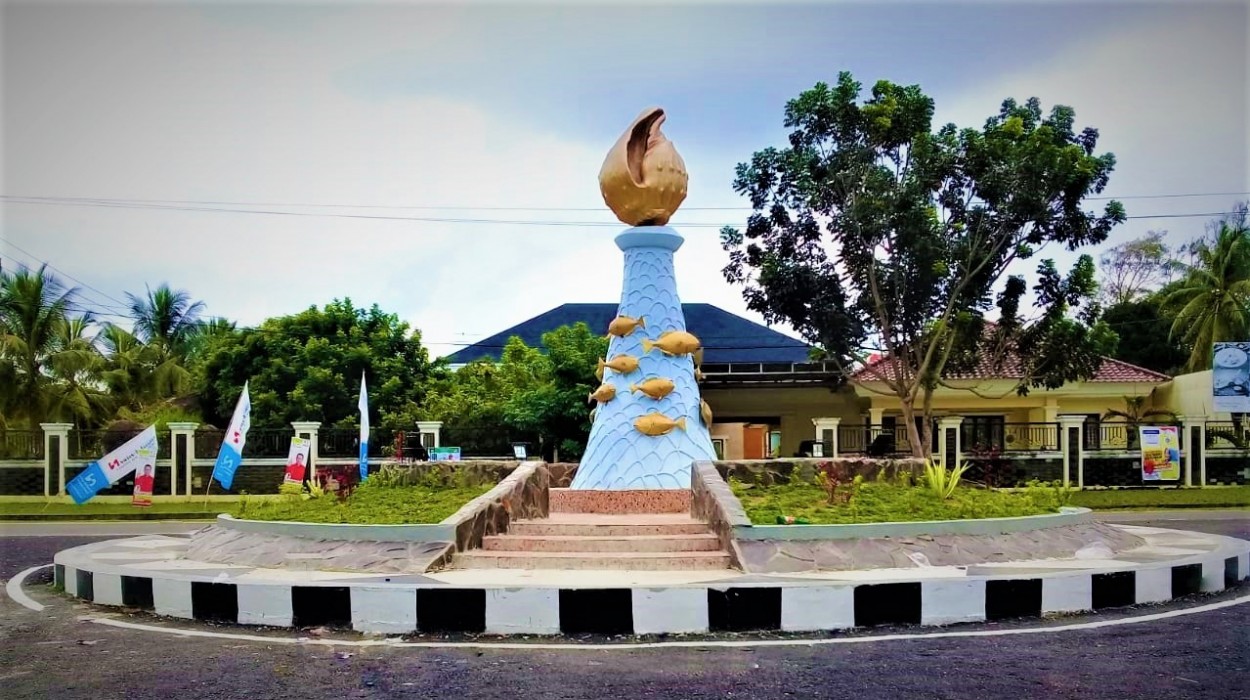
[
  {"x": 782, "y": 471},
  {"x": 522, "y": 494}
]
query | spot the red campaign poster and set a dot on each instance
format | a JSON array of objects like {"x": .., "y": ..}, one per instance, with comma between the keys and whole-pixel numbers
[
  {"x": 297, "y": 461},
  {"x": 143, "y": 486}
]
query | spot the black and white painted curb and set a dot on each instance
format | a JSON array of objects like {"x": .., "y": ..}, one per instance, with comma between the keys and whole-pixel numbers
[{"x": 750, "y": 604}]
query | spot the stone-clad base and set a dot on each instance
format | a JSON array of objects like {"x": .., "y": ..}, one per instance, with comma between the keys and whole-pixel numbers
[
  {"x": 620, "y": 501},
  {"x": 144, "y": 573}
]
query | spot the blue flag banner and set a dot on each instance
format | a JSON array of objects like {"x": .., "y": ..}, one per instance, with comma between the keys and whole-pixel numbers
[
  {"x": 363, "y": 405},
  {"x": 136, "y": 452},
  {"x": 231, "y": 453}
]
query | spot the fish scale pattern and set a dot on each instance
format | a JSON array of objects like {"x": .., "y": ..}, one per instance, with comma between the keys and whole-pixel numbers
[{"x": 617, "y": 455}]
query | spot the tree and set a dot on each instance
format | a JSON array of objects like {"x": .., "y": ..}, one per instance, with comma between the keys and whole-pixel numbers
[
  {"x": 307, "y": 366},
  {"x": 168, "y": 321},
  {"x": 1135, "y": 268},
  {"x": 871, "y": 225},
  {"x": 532, "y": 391},
  {"x": 554, "y": 407},
  {"x": 33, "y": 307},
  {"x": 1144, "y": 331},
  {"x": 1212, "y": 300}
]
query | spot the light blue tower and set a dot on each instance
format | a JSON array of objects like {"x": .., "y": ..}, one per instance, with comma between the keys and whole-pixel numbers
[{"x": 618, "y": 455}]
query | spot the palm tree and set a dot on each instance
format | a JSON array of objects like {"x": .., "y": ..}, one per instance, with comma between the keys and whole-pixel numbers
[
  {"x": 75, "y": 365},
  {"x": 1135, "y": 415},
  {"x": 168, "y": 321},
  {"x": 32, "y": 307},
  {"x": 130, "y": 367},
  {"x": 1213, "y": 299}
]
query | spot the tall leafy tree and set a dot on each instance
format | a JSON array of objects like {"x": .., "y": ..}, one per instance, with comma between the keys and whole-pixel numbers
[
  {"x": 1144, "y": 331},
  {"x": 873, "y": 226},
  {"x": 307, "y": 366},
  {"x": 33, "y": 308},
  {"x": 1212, "y": 300},
  {"x": 1136, "y": 268}
]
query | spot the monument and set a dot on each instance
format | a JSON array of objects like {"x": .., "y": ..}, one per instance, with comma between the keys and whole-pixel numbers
[{"x": 649, "y": 423}]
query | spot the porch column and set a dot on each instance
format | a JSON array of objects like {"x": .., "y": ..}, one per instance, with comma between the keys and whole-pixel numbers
[
  {"x": 1050, "y": 412},
  {"x": 1072, "y": 443},
  {"x": 430, "y": 427},
  {"x": 827, "y": 426},
  {"x": 181, "y": 455},
  {"x": 308, "y": 429},
  {"x": 55, "y": 447},
  {"x": 949, "y": 447}
]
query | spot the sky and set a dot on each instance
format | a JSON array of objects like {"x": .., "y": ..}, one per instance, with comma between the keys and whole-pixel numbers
[{"x": 441, "y": 160}]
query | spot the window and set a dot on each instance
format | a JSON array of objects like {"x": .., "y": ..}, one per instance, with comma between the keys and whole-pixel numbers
[
  {"x": 718, "y": 444},
  {"x": 982, "y": 432},
  {"x": 1093, "y": 432}
]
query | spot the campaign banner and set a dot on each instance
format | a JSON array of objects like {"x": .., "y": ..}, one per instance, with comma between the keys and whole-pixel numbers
[
  {"x": 145, "y": 478},
  {"x": 230, "y": 456},
  {"x": 136, "y": 452},
  {"x": 363, "y": 405},
  {"x": 297, "y": 460},
  {"x": 1160, "y": 453},
  {"x": 1230, "y": 377}
]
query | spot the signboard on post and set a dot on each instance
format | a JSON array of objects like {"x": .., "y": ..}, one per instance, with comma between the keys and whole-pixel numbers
[
  {"x": 297, "y": 460},
  {"x": 444, "y": 454},
  {"x": 1230, "y": 377},
  {"x": 1160, "y": 453}
]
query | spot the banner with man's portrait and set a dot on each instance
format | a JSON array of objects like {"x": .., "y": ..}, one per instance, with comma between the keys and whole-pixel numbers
[{"x": 297, "y": 461}]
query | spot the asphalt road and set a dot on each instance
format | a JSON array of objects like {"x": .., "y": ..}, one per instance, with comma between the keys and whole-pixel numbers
[{"x": 1200, "y": 655}]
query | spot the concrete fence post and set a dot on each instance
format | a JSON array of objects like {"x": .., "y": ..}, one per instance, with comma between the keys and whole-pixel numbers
[{"x": 55, "y": 447}]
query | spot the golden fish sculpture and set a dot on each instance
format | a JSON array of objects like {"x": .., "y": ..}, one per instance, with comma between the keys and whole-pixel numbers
[
  {"x": 593, "y": 411},
  {"x": 622, "y": 364},
  {"x": 705, "y": 412},
  {"x": 656, "y": 387},
  {"x": 622, "y": 326},
  {"x": 643, "y": 179},
  {"x": 656, "y": 424},
  {"x": 672, "y": 343},
  {"x": 604, "y": 394}
]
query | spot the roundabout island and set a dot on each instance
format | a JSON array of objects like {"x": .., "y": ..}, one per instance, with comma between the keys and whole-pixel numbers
[{"x": 646, "y": 536}]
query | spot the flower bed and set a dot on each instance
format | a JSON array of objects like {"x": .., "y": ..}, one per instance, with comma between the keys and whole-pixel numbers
[
  {"x": 389, "y": 497},
  {"x": 885, "y": 501}
]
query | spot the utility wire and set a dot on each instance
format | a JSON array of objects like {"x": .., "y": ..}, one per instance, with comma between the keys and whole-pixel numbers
[
  {"x": 431, "y": 219},
  {"x": 125, "y": 200}
]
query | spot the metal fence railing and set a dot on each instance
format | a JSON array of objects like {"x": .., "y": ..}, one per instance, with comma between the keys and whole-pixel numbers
[
  {"x": 21, "y": 444},
  {"x": 85, "y": 445}
]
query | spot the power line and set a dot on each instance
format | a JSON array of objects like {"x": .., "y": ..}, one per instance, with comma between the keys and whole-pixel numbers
[
  {"x": 78, "y": 293},
  {"x": 320, "y": 205},
  {"x": 432, "y": 219}
]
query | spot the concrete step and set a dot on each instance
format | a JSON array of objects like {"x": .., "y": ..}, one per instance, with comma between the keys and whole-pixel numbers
[
  {"x": 620, "y": 543},
  {"x": 599, "y": 525},
  {"x": 624, "y": 501},
  {"x": 638, "y": 561}
]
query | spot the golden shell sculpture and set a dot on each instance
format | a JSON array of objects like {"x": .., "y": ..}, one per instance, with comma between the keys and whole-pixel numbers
[{"x": 643, "y": 179}]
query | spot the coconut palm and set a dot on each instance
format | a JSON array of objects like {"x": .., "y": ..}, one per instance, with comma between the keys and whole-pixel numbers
[
  {"x": 33, "y": 304},
  {"x": 1213, "y": 298},
  {"x": 75, "y": 365},
  {"x": 167, "y": 321},
  {"x": 129, "y": 369}
]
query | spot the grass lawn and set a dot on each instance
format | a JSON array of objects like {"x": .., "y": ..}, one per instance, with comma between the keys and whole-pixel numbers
[
  {"x": 1235, "y": 496},
  {"x": 100, "y": 509},
  {"x": 368, "y": 505},
  {"x": 879, "y": 502}
]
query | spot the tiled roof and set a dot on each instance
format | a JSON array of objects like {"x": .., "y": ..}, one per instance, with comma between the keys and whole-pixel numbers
[
  {"x": 1111, "y": 370},
  {"x": 726, "y": 337}
]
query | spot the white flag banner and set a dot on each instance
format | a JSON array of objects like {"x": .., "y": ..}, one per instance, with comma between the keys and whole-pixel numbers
[
  {"x": 231, "y": 453},
  {"x": 136, "y": 452},
  {"x": 363, "y": 405}
]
